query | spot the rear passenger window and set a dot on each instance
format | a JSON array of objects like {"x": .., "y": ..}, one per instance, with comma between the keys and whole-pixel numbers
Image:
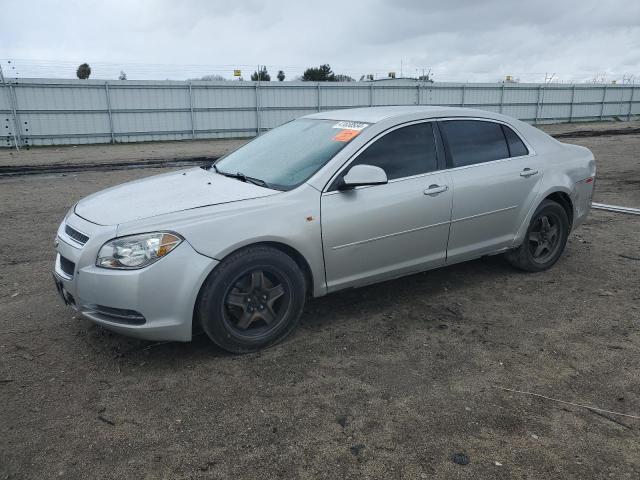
[
  {"x": 474, "y": 141},
  {"x": 516, "y": 147},
  {"x": 403, "y": 152}
]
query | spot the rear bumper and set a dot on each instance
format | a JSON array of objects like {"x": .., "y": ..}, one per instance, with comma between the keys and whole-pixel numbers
[
  {"x": 582, "y": 199},
  {"x": 153, "y": 303}
]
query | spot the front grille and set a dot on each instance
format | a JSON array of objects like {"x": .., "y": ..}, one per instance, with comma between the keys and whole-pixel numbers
[
  {"x": 79, "y": 237},
  {"x": 67, "y": 266}
]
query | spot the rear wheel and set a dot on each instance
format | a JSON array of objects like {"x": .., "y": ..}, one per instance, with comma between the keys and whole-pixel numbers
[
  {"x": 252, "y": 300},
  {"x": 544, "y": 241}
]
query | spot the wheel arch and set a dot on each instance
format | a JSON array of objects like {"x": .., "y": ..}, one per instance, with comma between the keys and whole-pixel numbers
[
  {"x": 558, "y": 195},
  {"x": 564, "y": 200},
  {"x": 293, "y": 253},
  {"x": 297, "y": 257}
]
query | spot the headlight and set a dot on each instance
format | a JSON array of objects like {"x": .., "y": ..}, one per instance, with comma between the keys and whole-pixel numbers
[{"x": 136, "y": 251}]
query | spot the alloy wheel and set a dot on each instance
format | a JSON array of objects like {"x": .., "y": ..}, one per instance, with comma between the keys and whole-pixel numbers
[
  {"x": 256, "y": 303},
  {"x": 544, "y": 237}
]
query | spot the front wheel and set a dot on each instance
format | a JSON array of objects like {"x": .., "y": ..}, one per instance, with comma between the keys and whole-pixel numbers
[
  {"x": 544, "y": 241},
  {"x": 252, "y": 300}
]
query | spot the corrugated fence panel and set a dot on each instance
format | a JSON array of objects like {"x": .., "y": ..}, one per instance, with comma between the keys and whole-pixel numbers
[
  {"x": 238, "y": 122},
  {"x": 387, "y": 95},
  {"x": 524, "y": 112},
  {"x": 123, "y": 98},
  {"x": 288, "y": 97},
  {"x": 520, "y": 95},
  {"x": 151, "y": 122},
  {"x": 344, "y": 96},
  {"x": 40, "y": 97},
  {"x": 588, "y": 94},
  {"x": 58, "y": 112},
  {"x": 481, "y": 96},
  {"x": 4, "y": 98},
  {"x": 221, "y": 96},
  {"x": 452, "y": 95}
]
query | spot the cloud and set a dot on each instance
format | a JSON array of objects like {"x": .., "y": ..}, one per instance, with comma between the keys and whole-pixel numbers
[{"x": 462, "y": 40}]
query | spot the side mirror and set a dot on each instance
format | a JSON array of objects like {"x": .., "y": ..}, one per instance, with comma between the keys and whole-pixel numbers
[{"x": 361, "y": 175}]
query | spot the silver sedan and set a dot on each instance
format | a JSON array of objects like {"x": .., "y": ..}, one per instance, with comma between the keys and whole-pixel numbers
[{"x": 329, "y": 201}]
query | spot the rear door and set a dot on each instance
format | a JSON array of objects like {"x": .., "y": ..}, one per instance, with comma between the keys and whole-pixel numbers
[
  {"x": 382, "y": 231},
  {"x": 495, "y": 179}
]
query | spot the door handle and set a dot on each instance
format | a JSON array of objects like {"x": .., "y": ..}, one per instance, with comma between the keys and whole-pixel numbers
[
  {"x": 434, "y": 190},
  {"x": 527, "y": 172}
]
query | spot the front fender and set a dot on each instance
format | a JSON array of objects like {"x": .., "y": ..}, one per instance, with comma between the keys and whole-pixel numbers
[{"x": 290, "y": 218}]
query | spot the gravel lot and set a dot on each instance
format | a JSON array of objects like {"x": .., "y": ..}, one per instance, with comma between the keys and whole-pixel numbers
[{"x": 388, "y": 381}]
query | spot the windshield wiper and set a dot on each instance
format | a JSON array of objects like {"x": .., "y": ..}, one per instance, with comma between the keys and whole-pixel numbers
[
  {"x": 242, "y": 177},
  {"x": 255, "y": 181}
]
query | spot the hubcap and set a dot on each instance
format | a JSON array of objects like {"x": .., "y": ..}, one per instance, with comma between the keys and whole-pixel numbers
[
  {"x": 256, "y": 303},
  {"x": 544, "y": 238}
]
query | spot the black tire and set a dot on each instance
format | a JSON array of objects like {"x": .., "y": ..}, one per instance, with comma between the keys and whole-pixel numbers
[
  {"x": 541, "y": 248},
  {"x": 252, "y": 300}
]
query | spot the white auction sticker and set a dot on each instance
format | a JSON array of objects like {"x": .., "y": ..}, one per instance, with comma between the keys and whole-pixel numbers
[{"x": 346, "y": 125}]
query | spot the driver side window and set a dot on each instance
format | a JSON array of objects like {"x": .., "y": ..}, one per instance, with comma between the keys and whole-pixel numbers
[{"x": 403, "y": 152}]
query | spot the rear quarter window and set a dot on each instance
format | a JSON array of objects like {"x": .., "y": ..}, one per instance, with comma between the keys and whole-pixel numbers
[{"x": 516, "y": 147}]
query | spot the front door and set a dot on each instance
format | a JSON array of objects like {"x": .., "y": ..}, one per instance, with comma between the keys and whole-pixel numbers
[{"x": 383, "y": 231}]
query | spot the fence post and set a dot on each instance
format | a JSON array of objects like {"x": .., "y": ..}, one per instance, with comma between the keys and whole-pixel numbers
[
  {"x": 318, "y": 96},
  {"x": 371, "y": 94},
  {"x": 16, "y": 124},
  {"x": 193, "y": 125},
  {"x": 502, "y": 97},
  {"x": 535, "y": 120},
  {"x": 16, "y": 116},
  {"x": 106, "y": 91},
  {"x": 418, "y": 94},
  {"x": 573, "y": 98},
  {"x": 604, "y": 96},
  {"x": 633, "y": 90},
  {"x": 464, "y": 92},
  {"x": 257, "y": 86}
]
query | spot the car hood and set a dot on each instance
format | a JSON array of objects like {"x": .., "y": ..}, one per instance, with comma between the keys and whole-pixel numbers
[{"x": 167, "y": 193}]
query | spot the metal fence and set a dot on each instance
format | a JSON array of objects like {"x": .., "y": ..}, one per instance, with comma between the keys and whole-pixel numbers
[{"x": 58, "y": 112}]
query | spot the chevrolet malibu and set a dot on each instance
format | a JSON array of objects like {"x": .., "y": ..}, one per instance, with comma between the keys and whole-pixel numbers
[{"x": 329, "y": 201}]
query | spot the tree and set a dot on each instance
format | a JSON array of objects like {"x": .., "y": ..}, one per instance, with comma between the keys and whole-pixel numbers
[
  {"x": 211, "y": 78},
  {"x": 426, "y": 78},
  {"x": 280, "y": 76},
  {"x": 344, "y": 78},
  {"x": 261, "y": 75},
  {"x": 122, "y": 76},
  {"x": 83, "y": 71},
  {"x": 322, "y": 73}
]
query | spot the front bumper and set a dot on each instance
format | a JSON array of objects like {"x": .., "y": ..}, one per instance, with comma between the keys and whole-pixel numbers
[{"x": 153, "y": 303}]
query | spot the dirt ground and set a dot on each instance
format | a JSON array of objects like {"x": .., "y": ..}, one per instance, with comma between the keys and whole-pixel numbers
[{"x": 389, "y": 381}]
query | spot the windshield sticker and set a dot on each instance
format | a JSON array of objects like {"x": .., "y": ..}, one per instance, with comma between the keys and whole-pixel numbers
[
  {"x": 351, "y": 125},
  {"x": 346, "y": 135}
]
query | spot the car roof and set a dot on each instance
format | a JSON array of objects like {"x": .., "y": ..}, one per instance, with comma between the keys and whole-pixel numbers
[{"x": 377, "y": 114}]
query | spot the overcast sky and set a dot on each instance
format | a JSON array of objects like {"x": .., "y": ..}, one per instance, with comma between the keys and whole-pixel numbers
[{"x": 458, "y": 40}]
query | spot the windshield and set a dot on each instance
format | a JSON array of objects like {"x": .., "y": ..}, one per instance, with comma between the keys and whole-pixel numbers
[{"x": 288, "y": 155}]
